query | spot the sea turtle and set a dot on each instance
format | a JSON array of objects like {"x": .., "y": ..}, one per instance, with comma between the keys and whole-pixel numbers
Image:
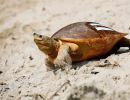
[{"x": 80, "y": 41}]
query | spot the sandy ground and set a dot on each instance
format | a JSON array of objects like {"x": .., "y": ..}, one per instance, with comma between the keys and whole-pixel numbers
[{"x": 23, "y": 74}]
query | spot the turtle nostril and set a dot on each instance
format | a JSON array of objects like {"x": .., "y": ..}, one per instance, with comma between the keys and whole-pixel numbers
[{"x": 34, "y": 33}]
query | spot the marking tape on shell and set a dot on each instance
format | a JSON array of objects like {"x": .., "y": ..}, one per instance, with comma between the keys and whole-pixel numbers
[{"x": 103, "y": 28}]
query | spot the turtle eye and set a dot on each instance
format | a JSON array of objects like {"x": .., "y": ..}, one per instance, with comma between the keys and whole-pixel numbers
[{"x": 40, "y": 36}]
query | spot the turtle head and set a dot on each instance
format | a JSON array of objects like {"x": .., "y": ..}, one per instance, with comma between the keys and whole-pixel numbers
[{"x": 46, "y": 44}]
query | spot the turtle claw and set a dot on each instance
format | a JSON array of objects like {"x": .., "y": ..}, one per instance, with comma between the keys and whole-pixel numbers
[{"x": 61, "y": 64}]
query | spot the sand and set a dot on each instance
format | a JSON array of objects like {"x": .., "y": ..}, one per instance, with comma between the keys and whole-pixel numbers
[{"x": 23, "y": 74}]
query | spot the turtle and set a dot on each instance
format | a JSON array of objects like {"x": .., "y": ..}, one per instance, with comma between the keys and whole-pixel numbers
[{"x": 78, "y": 42}]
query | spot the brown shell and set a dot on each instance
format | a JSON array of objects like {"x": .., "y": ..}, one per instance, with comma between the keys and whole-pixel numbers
[{"x": 80, "y": 31}]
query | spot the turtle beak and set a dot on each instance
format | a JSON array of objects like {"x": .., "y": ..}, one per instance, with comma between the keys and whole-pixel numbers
[{"x": 37, "y": 36}]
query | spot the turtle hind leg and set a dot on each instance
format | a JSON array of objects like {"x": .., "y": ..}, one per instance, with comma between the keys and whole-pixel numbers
[
  {"x": 114, "y": 49},
  {"x": 124, "y": 42}
]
